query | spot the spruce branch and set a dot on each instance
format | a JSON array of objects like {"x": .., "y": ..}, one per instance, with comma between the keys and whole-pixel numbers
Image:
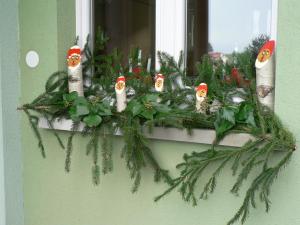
[
  {"x": 107, "y": 150},
  {"x": 70, "y": 146},
  {"x": 33, "y": 120},
  {"x": 50, "y": 124}
]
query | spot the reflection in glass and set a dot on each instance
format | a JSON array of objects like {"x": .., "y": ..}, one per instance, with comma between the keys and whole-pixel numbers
[
  {"x": 128, "y": 24},
  {"x": 224, "y": 26},
  {"x": 211, "y": 25}
]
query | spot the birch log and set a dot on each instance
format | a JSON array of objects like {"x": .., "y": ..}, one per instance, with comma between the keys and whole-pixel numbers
[
  {"x": 120, "y": 88},
  {"x": 201, "y": 93},
  {"x": 159, "y": 82},
  {"x": 75, "y": 70},
  {"x": 265, "y": 74}
]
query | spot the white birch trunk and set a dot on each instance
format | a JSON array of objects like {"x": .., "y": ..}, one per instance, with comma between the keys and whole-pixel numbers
[
  {"x": 75, "y": 79},
  {"x": 265, "y": 80}
]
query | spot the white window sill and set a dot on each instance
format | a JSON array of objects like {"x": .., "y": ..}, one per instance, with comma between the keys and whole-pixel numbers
[{"x": 200, "y": 136}]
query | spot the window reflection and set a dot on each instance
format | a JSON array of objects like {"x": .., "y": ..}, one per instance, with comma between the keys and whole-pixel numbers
[
  {"x": 211, "y": 25},
  {"x": 224, "y": 26},
  {"x": 128, "y": 24}
]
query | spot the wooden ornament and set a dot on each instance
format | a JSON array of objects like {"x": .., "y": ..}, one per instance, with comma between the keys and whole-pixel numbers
[
  {"x": 265, "y": 74},
  {"x": 75, "y": 70},
  {"x": 201, "y": 94},
  {"x": 120, "y": 88},
  {"x": 159, "y": 82}
]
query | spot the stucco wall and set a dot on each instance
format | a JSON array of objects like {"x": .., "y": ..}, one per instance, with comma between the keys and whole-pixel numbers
[{"x": 53, "y": 197}]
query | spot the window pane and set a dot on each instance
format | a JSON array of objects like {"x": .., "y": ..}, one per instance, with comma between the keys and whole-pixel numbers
[
  {"x": 234, "y": 23},
  {"x": 128, "y": 24},
  {"x": 197, "y": 32},
  {"x": 224, "y": 26}
]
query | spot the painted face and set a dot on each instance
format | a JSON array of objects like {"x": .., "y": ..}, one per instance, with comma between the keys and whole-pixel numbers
[
  {"x": 159, "y": 83},
  {"x": 74, "y": 60},
  {"x": 201, "y": 93},
  {"x": 120, "y": 86},
  {"x": 264, "y": 55}
]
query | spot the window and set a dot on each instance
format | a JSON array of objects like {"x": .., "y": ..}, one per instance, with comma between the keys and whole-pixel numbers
[{"x": 196, "y": 27}]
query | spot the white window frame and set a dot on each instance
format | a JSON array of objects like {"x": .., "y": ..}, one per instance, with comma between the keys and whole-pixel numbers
[
  {"x": 170, "y": 25},
  {"x": 170, "y": 19}
]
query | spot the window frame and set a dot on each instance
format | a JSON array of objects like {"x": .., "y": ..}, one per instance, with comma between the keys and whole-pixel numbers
[{"x": 165, "y": 42}]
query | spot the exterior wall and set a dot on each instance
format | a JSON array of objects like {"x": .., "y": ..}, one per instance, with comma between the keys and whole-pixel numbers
[
  {"x": 11, "y": 212},
  {"x": 53, "y": 197}
]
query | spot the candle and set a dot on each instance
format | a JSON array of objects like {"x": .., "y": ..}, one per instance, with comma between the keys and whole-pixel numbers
[{"x": 149, "y": 65}]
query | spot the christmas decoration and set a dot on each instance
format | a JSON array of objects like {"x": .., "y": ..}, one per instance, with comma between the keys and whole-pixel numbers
[
  {"x": 176, "y": 108},
  {"x": 138, "y": 69},
  {"x": 120, "y": 88},
  {"x": 265, "y": 74},
  {"x": 201, "y": 93},
  {"x": 159, "y": 82},
  {"x": 149, "y": 65},
  {"x": 75, "y": 70}
]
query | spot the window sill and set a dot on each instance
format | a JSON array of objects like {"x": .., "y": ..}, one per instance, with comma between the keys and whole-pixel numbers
[{"x": 200, "y": 136}]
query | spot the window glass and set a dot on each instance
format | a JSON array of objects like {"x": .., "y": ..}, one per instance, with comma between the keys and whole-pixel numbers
[
  {"x": 128, "y": 24},
  {"x": 224, "y": 26},
  {"x": 211, "y": 25}
]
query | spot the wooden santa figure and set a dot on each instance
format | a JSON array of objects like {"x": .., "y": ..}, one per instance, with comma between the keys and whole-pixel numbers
[
  {"x": 265, "y": 74},
  {"x": 159, "y": 82},
  {"x": 120, "y": 88},
  {"x": 201, "y": 94},
  {"x": 75, "y": 70}
]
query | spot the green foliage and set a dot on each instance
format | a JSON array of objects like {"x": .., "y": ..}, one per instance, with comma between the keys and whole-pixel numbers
[
  {"x": 254, "y": 154},
  {"x": 231, "y": 116},
  {"x": 174, "y": 107}
]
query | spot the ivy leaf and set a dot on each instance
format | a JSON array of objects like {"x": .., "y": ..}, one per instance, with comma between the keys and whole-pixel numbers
[
  {"x": 150, "y": 98},
  {"x": 225, "y": 120},
  {"x": 82, "y": 110},
  {"x": 77, "y": 111},
  {"x": 148, "y": 114},
  {"x": 137, "y": 109},
  {"x": 70, "y": 97},
  {"x": 161, "y": 108},
  {"x": 103, "y": 110},
  {"x": 246, "y": 114},
  {"x": 80, "y": 101},
  {"x": 92, "y": 120},
  {"x": 228, "y": 113}
]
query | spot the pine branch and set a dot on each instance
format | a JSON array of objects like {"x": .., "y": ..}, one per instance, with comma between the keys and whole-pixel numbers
[
  {"x": 107, "y": 163},
  {"x": 50, "y": 124},
  {"x": 33, "y": 120},
  {"x": 263, "y": 181},
  {"x": 93, "y": 146},
  {"x": 70, "y": 146}
]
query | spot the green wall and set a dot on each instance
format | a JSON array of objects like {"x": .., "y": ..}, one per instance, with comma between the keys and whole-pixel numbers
[{"x": 52, "y": 197}]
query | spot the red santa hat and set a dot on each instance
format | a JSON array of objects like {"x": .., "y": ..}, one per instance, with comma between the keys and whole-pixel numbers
[
  {"x": 75, "y": 50},
  {"x": 270, "y": 45},
  {"x": 202, "y": 87},
  {"x": 121, "y": 79},
  {"x": 159, "y": 76}
]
